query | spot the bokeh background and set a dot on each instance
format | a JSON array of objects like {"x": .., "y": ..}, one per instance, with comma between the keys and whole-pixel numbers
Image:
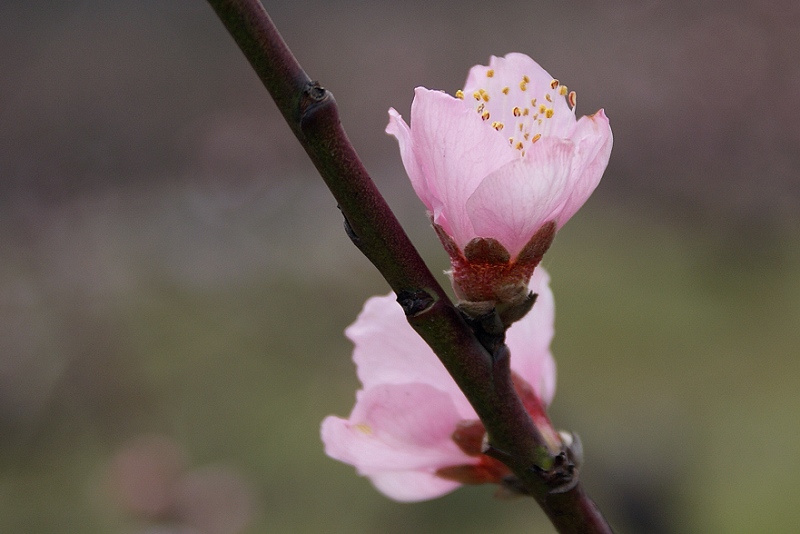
[{"x": 175, "y": 279}]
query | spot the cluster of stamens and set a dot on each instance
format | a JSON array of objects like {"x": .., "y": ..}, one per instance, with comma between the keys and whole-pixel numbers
[{"x": 528, "y": 121}]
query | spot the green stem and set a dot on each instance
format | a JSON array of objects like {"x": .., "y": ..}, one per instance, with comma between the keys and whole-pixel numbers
[{"x": 485, "y": 379}]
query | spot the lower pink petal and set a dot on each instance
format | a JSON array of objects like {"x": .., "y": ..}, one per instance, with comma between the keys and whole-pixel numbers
[
  {"x": 388, "y": 351},
  {"x": 529, "y": 340},
  {"x": 411, "y": 486},
  {"x": 516, "y": 200},
  {"x": 396, "y": 427}
]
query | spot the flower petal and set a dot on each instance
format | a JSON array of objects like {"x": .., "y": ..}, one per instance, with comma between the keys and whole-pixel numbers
[
  {"x": 508, "y": 71},
  {"x": 454, "y": 150},
  {"x": 388, "y": 351},
  {"x": 529, "y": 340},
  {"x": 397, "y": 428},
  {"x": 400, "y": 130},
  {"x": 515, "y": 201},
  {"x": 412, "y": 486},
  {"x": 593, "y": 140},
  {"x": 508, "y": 89}
]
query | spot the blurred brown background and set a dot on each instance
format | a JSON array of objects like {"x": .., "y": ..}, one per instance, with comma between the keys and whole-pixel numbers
[{"x": 175, "y": 279}]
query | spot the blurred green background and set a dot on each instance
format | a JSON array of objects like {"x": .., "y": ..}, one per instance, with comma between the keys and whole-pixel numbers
[{"x": 175, "y": 279}]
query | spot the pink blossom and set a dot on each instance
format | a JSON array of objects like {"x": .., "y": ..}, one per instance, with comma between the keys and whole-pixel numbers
[
  {"x": 412, "y": 431},
  {"x": 501, "y": 166}
]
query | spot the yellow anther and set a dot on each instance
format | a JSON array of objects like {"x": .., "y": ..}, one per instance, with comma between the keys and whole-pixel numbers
[
  {"x": 523, "y": 85},
  {"x": 525, "y": 112},
  {"x": 364, "y": 428},
  {"x": 518, "y": 146},
  {"x": 485, "y": 115},
  {"x": 517, "y": 112},
  {"x": 520, "y": 127},
  {"x": 542, "y": 108},
  {"x": 490, "y": 73},
  {"x": 563, "y": 90},
  {"x": 536, "y": 138},
  {"x": 533, "y": 102},
  {"x": 497, "y": 125},
  {"x": 476, "y": 95},
  {"x": 505, "y": 90},
  {"x": 549, "y": 113},
  {"x": 510, "y": 140},
  {"x": 527, "y": 135},
  {"x": 572, "y": 98},
  {"x": 460, "y": 94},
  {"x": 554, "y": 83},
  {"x": 548, "y": 97},
  {"x": 525, "y": 79},
  {"x": 485, "y": 96}
]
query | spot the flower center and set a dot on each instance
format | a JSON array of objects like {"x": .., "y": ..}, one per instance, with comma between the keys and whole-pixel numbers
[{"x": 518, "y": 107}]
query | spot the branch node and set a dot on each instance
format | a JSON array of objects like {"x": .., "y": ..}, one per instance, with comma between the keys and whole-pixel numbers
[
  {"x": 489, "y": 329},
  {"x": 490, "y": 450},
  {"x": 515, "y": 312},
  {"x": 415, "y": 302},
  {"x": 562, "y": 476},
  {"x": 314, "y": 100},
  {"x": 351, "y": 233}
]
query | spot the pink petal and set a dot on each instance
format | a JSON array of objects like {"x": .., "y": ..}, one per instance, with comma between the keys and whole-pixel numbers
[
  {"x": 395, "y": 428},
  {"x": 388, "y": 351},
  {"x": 400, "y": 130},
  {"x": 454, "y": 151},
  {"x": 507, "y": 73},
  {"x": 409, "y": 415},
  {"x": 516, "y": 200},
  {"x": 529, "y": 340},
  {"x": 412, "y": 486},
  {"x": 593, "y": 139}
]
